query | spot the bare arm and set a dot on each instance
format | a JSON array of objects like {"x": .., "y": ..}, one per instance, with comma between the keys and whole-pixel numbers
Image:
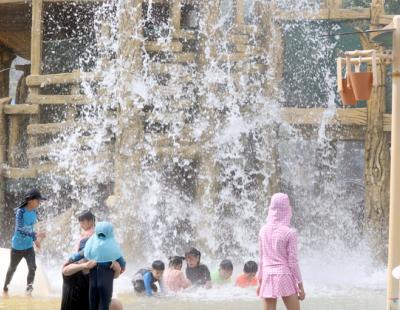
[
  {"x": 292, "y": 257},
  {"x": 71, "y": 269},
  {"x": 117, "y": 269}
]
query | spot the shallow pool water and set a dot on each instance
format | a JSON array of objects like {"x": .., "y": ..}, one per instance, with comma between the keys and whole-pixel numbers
[{"x": 362, "y": 300}]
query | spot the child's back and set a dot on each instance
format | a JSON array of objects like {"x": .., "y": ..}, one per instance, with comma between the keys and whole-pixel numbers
[
  {"x": 173, "y": 278},
  {"x": 279, "y": 274}
]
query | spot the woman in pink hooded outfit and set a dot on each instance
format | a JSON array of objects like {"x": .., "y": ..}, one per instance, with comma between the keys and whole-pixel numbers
[{"x": 279, "y": 274}]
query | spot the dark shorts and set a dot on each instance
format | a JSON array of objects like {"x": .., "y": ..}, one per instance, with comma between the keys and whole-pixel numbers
[{"x": 138, "y": 286}]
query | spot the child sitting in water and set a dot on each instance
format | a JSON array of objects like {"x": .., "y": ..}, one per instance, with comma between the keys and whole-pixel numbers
[
  {"x": 104, "y": 249},
  {"x": 87, "y": 222},
  {"x": 198, "y": 274},
  {"x": 279, "y": 274},
  {"x": 144, "y": 280},
  {"x": 173, "y": 278},
  {"x": 248, "y": 278},
  {"x": 223, "y": 274}
]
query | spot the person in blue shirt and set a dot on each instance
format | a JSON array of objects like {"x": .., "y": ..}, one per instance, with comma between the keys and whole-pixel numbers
[
  {"x": 104, "y": 250},
  {"x": 144, "y": 280},
  {"x": 24, "y": 237}
]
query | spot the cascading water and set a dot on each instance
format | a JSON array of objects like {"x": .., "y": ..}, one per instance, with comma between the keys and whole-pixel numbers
[{"x": 199, "y": 147}]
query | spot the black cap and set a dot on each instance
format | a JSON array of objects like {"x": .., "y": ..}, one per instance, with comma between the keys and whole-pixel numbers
[
  {"x": 33, "y": 193},
  {"x": 193, "y": 252}
]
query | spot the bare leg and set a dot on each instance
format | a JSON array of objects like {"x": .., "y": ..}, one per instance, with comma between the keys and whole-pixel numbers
[
  {"x": 116, "y": 304},
  {"x": 270, "y": 304},
  {"x": 292, "y": 302}
]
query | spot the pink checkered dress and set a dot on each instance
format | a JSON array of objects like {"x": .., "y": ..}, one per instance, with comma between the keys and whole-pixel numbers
[{"x": 279, "y": 273}]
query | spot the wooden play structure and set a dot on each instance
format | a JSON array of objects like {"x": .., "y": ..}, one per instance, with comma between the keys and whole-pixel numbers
[{"x": 26, "y": 134}]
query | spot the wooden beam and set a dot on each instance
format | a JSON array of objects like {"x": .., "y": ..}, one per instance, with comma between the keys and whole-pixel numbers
[
  {"x": 385, "y": 19},
  {"x": 58, "y": 99},
  {"x": 154, "y": 46},
  {"x": 52, "y": 79},
  {"x": 233, "y": 57},
  {"x": 50, "y": 128},
  {"x": 20, "y": 109},
  {"x": 185, "y": 57},
  {"x": 19, "y": 173},
  {"x": 15, "y": 1},
  {"x": 314, "y": 116},
  {"x": 323, "y": 14}
]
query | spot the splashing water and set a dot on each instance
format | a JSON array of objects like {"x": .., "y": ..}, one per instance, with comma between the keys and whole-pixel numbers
[{"x": 190, "y": 151}]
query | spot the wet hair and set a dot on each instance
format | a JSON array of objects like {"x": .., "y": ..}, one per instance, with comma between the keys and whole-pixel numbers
[
  {"x": 86, "y": 215},
  {"x": 158, "y": 265},
  {"x": 226, "y": 264},
  {"x": 175, "y": 261},
  {"x": 193, "y": 252},
  {"x": 250, "y": 267}
]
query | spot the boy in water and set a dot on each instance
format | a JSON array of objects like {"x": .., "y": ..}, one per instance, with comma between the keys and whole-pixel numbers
[
  {"x": 144, "y": 280},
  {"x": 248, "y": 278},
  {"x": 198, "y": 274},
  {"x": 24, "y": 237},
  {"x": 223, "y": 274}
]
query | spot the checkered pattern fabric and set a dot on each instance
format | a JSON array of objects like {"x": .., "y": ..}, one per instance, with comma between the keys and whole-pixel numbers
[{"x": 279, "y": 272}]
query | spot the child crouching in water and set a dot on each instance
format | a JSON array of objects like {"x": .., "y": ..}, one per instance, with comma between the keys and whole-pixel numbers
[
  {"x": 144, "y": 280},
  {"x": 223, "y": 274},
  {"x": 104, "y": 249},
  {"x": 279, "y": 274},
  {"x": 248, "y": 278},
  {"x": 173, "y": 278}
]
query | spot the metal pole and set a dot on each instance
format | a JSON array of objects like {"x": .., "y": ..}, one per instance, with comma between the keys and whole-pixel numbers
[{"x": 394, "y": 217}]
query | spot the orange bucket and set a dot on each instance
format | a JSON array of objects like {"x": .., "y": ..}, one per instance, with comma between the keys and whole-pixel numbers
[
  {"x": 347, "y": 94},
  {"x": 361, "y": 83}
]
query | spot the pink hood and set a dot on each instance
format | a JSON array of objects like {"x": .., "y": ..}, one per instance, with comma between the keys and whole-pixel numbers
[{"x": 280, "y": 211}]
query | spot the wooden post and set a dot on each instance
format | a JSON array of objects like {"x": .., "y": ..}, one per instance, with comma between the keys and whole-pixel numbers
[
  {"x": 336, "y": 4},
  {"x": 3, "y": 156},
  {"x": 209, "y": 12},
  {"x": 36, "y": 58},
  {"x": 15, "y": 120},
  {"x": 71, "y": 109},
  {"x": 176, "y": 18},
  {"x": 377, "y": 9},
  {"x": 6, "y": 58},
  {"x": 394, "y": 217},
  {"x": 239, "y": 12},
  {"x": 129, "y": 117},
  {"x": 377, "y": 170}
]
